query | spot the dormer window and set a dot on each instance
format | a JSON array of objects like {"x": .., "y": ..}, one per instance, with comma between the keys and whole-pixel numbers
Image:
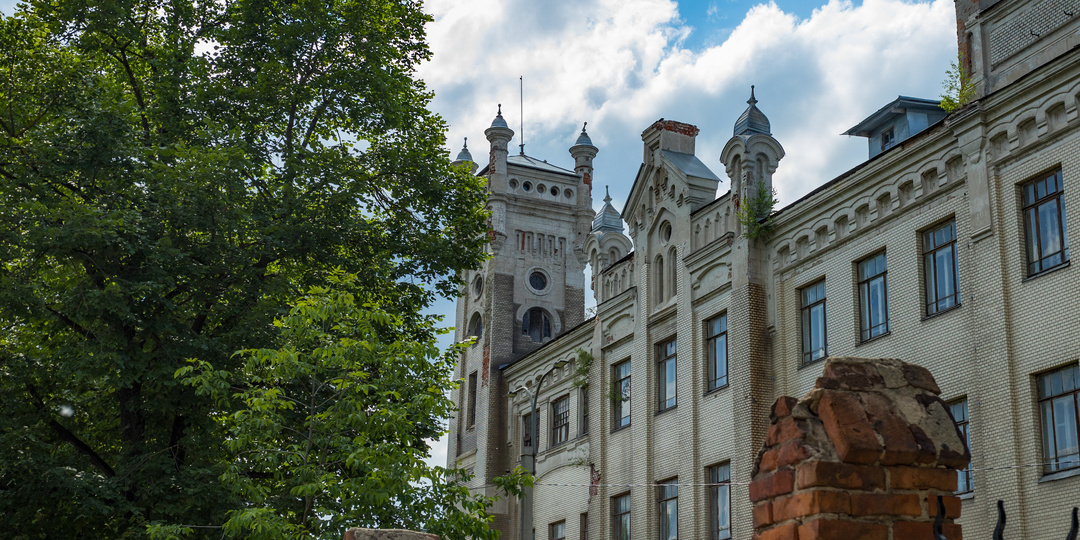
[{"x": 888, "y": 139}]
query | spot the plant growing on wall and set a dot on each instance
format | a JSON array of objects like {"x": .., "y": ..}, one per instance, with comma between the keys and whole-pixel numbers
[
  {"x": 581, "y": 368},
  {"x": 755, "y": 213},
  {"x": 958, "y": 88}
]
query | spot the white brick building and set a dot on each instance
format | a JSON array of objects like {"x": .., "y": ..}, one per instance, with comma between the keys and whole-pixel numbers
[{"x": 948, "y": 248}]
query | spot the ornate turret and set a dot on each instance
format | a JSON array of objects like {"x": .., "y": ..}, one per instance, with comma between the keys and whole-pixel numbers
[
  {"x": 752, "y": 119},
  {"x": 583, "y": 153},
  {"x": 499, "y": 136},
  {"x": 608, "y": 218},
  {"x": 464, "y": 158}
]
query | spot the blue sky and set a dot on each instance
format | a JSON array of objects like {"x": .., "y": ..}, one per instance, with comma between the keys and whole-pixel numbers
[{"x": 819, "y": 67}]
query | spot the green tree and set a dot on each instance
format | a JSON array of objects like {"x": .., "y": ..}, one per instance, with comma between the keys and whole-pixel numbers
[
  {"x": 321, "y": 431},
  {"x": 173, "y": 174},
  {"x": 958, "y": 87}
]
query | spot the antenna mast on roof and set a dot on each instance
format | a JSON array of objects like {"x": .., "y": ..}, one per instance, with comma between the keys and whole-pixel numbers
[{"x": 521, "y": 110}]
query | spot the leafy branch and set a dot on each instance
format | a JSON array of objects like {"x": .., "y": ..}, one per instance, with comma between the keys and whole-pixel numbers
[
  {"x": 958, "y": 88},
  {"x": 581, "y": 368},
  {"x": 755, "y": 213}
]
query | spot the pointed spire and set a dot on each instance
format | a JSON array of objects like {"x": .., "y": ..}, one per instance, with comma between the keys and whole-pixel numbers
[
  {"x": 464, "y": 155},
  {"x": 583, "y": 138},
  {"x": 608, "y": 218},
  {"x": 752, "y": 119},
  {"x": 499, "y": 121}
]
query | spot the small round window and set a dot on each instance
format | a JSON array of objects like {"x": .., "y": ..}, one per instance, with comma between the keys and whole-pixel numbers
[
  {"x": 478, "y": 286},
  {"x": 527, "y": 186},
  {"x": 538, "y": 280},
  {"x": 541, "y": 188},
  {"x": 554, "y": 191},
  {"x": 665, "y": 231},
  {"x": 569, "y": 193},
  {"x": 513, "y": 183}
]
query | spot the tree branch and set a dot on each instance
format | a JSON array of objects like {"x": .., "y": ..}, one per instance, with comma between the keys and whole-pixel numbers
[{"x": 67, "y": 436}]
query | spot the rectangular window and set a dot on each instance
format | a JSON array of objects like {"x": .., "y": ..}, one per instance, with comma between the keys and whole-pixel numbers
[
  {"x": 814, "y": 337},
  {"x": 583, "y": 528},
  {"x": 888, "y": 139},
  {"x": 959, "y": 411},
  {"x": 665, "y": 375},
  {"x": 940, "y": 268},
  {"x": 560, "y": 420},
  {"x": 526, "y": 431},
  {"x": 471, "y": 417},
  {"x": 557, "y": 531},
  {"x": 716, "y": 352},
  {"x": 620, "y": 393},
  {"x": 1057, "y": 406},
  {"x": 584, "y": 407},
  {"x": 669, "y": 510},
  {"x": 719, "y": 478},
  {"x": 620, "y": 517},
  {"x": 873, "y": 297},
  {"x": 1044, "y": 223}
]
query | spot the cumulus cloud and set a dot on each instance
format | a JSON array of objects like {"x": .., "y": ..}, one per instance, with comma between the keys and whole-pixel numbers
[{"x": 622, "y": 64}]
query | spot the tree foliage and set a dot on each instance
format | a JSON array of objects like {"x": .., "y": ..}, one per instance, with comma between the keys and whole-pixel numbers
[
  {"x": 173, "y": 174},
  {"x": 958, "y": 89},
  {"x": 755, "y": 213}
]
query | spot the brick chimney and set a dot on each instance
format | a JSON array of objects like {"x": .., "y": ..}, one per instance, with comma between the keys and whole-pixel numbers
[
  {"x": 669, "y": 135},
  {"x": 863, "y": 455}
]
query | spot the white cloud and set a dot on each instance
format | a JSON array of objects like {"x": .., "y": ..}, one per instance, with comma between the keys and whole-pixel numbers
[{"x": 622, "y": 64}]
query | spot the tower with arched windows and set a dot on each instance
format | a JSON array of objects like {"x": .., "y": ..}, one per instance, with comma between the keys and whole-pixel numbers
[{"x": 527, "y": 293}]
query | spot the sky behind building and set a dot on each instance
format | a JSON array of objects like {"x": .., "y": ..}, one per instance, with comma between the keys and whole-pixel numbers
[{"x": 819, "y": 68}]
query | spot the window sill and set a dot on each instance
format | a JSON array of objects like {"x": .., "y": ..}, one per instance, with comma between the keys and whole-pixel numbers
[
  {"x": 1047, "y": 271},
  {"x": 717, "y": 389},
  {"x": 942, "y": 312},
  {"x": 621, "y": 428},
  {"x": 662, "y": 411},
  {"x": 875, "y": 338},
  {"x": 803, "y": 364},
  {"x": 966, "y": 496},
  {"x": 1060, "y": 475}
]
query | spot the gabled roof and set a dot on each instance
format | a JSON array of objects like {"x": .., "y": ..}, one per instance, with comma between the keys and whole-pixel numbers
[
  {"x": 690, "y": 165},
  {"x": 898, "y": 106}
]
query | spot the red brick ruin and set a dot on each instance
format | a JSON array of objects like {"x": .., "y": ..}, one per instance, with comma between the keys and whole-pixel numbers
[{"x": 864, "y": 455}]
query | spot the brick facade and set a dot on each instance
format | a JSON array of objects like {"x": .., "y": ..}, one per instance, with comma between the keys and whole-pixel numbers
[{"x": 690, "y": 264}]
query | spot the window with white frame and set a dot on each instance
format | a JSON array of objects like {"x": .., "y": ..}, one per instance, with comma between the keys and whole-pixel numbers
[
  {"x": 666, "y": 375},
  {"x": 719, "y": 479},
  {"x": 1044, "y": 223},
  {"x": 941, "y": 277},
  {"x": 669, "y": 509},
  {"x": 716, "y": 353},
  {"x": 1058, "y": 408},
  {"x": 873, "y": 297},
  {"x": 814, "y": 338}
]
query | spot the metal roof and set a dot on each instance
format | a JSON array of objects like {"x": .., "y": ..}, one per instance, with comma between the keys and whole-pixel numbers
[
  {"x": 898, "y": 106},
  {"x": 522, "y": 160},
  {"x": 607, "y": 219},
  {"x": 752, "y": 119},
  {"x": 690, "y": 165}
]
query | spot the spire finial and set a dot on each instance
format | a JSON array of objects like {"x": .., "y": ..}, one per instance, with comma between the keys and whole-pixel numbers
[
  {"x": 586, "y": 124},
  {"x": 500, "y": 109},
  {"x": 466, "y": 146},
  {"x": 752, "y": 100},
  {"x": 607, "y": 194}
]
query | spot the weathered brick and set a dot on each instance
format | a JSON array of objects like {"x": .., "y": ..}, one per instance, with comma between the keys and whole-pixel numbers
[
  {"x": 763, "y": 514},
  {"x": 885, "y": 504},
  {"x": 782, "y": 407},
  {"x": 784, "y": 430},
  {"x": 807, "y": 503},
  {"x": 854, "y": 376},
  {"x": 922, "y": 478},
  {"x": 791, "y": 453},
  {"x": 787, "y": 531},
  {"x": 900, "y": 445},
  {"x": 842, "y": 529},
  {"x": 848, "y": 428},
  {"x": 840, "y": 475},
  {"x": 771, "y": 485},
  {"x": 953, "y": 505},
  {"x": 924, "y": 529}
]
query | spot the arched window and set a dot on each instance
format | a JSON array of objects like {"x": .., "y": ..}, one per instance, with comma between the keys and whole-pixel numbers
[
  {"x": 536, "y": 324},
  {"x": 658, "y": 272},
  {"x": 476, "y": 326},
  {"x": 672, "y": 272}
]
